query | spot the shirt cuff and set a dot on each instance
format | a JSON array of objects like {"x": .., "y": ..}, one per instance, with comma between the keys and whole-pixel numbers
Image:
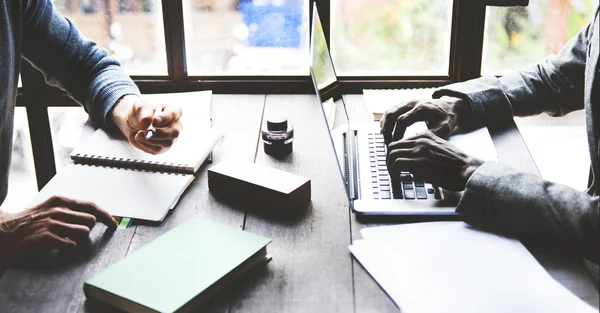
[
  {"x": 476, "y": 202},
  {"x": 486, "y": 97},
  {"x": 108, "y": 124},
  {"x": 110, "y": 85},
  {"x": 494, "y": 199}
]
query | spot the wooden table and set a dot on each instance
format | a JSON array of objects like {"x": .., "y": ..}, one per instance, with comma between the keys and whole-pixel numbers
[{"x": 312, "y": 269}]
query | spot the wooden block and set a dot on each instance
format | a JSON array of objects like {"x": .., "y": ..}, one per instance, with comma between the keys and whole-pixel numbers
[{"x": 258, "y": 186}]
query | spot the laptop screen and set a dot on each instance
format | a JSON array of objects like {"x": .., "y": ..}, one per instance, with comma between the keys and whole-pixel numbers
[
  {"x": 324, "y": 77},
  {"x": 325, "y": 82},
  {"x": 322, "y": 69}
]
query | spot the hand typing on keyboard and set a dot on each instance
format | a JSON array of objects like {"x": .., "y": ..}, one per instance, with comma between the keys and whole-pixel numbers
[
  {"x": 427, "y": 156},
  {"x": 401, "y": 186},
  {"x": 432, "y": 159},
  {"x": 440, "y": 115}
]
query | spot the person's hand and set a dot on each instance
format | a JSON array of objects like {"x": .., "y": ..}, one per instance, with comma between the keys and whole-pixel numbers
[
  {"x": 432, "y": 159},
  {"x": 133, "y": 116},
  {"x": 56, "y": 224},
  {"x": 440, "y": 115}
]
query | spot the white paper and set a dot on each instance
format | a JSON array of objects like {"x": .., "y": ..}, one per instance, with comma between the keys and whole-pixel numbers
[
  {"x": 380, "y": 100},
  {"x": 449, "y": 267},
  {"x": 559, "y": 147},
  {"x": 125, "y": 193}
]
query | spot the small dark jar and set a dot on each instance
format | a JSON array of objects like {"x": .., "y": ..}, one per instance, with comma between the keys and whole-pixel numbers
[{"x": 278, "y": 136}]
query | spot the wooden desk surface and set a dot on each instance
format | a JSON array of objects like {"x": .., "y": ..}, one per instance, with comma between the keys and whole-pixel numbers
[{"x": 312, "y": 269}]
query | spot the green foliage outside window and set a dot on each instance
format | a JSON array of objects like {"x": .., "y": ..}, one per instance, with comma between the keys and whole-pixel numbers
[
  {"x": 412, "y": 37},
  {"x": 407, "y": 37},
  {"x": 517, "y": 36}
]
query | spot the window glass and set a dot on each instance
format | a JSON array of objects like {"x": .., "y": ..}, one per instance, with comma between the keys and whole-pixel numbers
[
  {"x": 131, "y": 30},
  {"x": 67, "y": 128},
  {"x": 22, "y": 183},
  {"x": 246, "y": 37},
  {"x": 519, "y": 36},
  {"x": 391, "y": 37}
]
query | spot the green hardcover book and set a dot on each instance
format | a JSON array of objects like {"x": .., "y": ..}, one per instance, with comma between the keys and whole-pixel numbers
[{"x": 180, "y": 269}]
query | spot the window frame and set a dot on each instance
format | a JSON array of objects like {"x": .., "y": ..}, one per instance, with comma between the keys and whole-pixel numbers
[{"x": 466, "y": 46}]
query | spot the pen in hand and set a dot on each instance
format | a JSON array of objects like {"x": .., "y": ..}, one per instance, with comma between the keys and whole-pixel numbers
[
  {"x": 151, "y": 129},
  {"x": 150, "y": 132}
]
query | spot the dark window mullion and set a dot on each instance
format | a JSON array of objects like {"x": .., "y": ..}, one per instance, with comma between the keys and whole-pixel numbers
[
  {"x": 454, "y": 52},
  {"x": 32, "y": 97},
  {"x": 174, "y": 39},
  {"x": 468, "y": 23}
]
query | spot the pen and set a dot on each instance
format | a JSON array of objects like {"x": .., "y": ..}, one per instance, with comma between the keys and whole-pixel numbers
[
  {"x": 149, "y": 133},
  {"x": 151, "y": 129}
]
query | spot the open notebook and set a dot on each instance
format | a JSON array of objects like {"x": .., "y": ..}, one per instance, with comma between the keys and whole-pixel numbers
[
  {"x": 127, "y": 182},
  {"x": 185, "y": 156}
]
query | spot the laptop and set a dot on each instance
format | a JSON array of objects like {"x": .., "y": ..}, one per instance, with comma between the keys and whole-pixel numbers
[{"x": 361, "y": 152}]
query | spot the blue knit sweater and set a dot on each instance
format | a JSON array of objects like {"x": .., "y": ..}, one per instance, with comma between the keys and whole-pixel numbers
[{"x": 34, "y": 31}]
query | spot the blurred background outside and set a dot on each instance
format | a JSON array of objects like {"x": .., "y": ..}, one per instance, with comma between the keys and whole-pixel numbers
[
  {"x": 382, "y": 37},
  {"x": 519, "y": 36},
  {"x": 270, "y": 37}
]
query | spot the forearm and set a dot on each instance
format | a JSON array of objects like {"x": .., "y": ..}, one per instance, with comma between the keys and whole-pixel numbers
[
  {"x": 4, "y": 231},
  {"x": 486, "y": 101},
  {"x": 4, "y": 216},
  {"x": 525, "y": 206},
  {"x": 461, "y": 108},
  {"x": 69, "y": 61},
  {"x": 107, "y": 90}
]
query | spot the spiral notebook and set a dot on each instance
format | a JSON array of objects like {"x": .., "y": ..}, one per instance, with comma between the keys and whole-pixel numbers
[
  {"x": 127, "y": 182},
  {"x": 137, "y": 194},
  {"x": 185, "y": 156}
]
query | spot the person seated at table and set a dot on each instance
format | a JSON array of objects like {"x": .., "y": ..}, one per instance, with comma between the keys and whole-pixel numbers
[
  {"x": 497, "y": 197},
  {"x": 34, "y": 31}
]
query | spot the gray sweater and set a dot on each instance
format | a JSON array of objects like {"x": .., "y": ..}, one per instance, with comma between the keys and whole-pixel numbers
[
  {"x": 524, "y": 205},
  {"x": 32, "y": 30}
]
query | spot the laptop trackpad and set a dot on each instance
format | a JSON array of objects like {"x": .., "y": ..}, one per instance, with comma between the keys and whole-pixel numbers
[{"x": 477, "y": 143}]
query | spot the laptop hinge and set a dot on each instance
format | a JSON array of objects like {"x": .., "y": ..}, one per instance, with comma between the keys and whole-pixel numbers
[{"x": 351, "y": 166}]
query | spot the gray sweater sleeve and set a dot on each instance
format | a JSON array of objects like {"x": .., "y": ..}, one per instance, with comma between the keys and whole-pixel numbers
[
  {"x": 69, "y": 61},
  {"x": 525, "y": 206},
  {"x": 519, "y": 204}
]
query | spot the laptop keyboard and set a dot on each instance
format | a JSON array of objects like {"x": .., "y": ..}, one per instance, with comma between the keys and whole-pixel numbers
[{"x": 405, "y": 187}]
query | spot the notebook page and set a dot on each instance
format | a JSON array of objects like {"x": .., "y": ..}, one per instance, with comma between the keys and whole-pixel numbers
[
  {"x": 121, "y": 192},
  {"x": 195, "y": 141}
]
